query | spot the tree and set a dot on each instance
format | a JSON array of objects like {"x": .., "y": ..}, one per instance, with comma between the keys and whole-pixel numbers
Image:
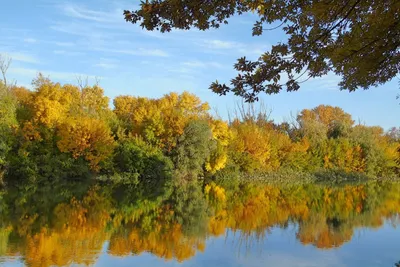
[
  {"x": 324, "y": 121},
  {"x": 159, "y": 121},
  {"x": 86, "y": 137},
  {"x": 7, "y": 115},
  {"x": 358, "y": 40},
  {"x": 192, "y": 150},
  {"x": 5, "y": 63}
]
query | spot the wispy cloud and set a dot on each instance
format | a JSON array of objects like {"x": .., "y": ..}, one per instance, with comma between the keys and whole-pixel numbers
[
  {"x": 80, "y": 12},
  {"x": 105, "y": 65},
  {"x": 326, "y": 82},
  {"x": 229, "y": 47},
  {"x": 99, "y": 19},
  {"x": 22, "y": 57},
  {"x": 64, "y": 44},
  {"x": 55, "y": 75},
  {"x": 68, "y": 53},
  {"x": 137, "y": 52},
  {"x": 193, "y": 67},
  {"x": 30, "y": 40},
  {"x": 79, "y": 29},
  {"x": 219, "y": 44},
  {"x": 201, "y": 64}
]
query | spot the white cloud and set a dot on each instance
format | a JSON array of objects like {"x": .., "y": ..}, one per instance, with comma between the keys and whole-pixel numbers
[
  {"x": 22, "y": 57},
  {"x": 201, "y": 64},
  {"x": 219, "y": 44},
  {"x": 326, "y": 82},
  {"x": 105, "y": 65},
  {"x": 67, "y": 53},
  {"x": 55, "y": 75},
  {"x": 30, "y": 40},
  {"x": 81, "y": 12},
  {"x": 229, "y": 47},
  {"x": 137, "y": 52},
  {"x": 64, "y": 44},
  {"x": 79, "y": 29}
]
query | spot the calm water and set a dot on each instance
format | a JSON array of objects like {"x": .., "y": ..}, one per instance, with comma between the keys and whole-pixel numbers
[{"x": 309, "y": 225}]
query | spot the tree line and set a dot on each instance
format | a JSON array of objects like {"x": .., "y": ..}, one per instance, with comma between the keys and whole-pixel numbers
[{"x": 65, "y": 131}]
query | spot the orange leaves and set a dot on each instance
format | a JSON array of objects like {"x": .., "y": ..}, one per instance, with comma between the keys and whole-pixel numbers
[{"x": 87, "y": 137}]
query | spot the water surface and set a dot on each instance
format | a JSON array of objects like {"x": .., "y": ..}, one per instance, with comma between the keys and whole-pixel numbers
[{"x": 304, "y": 225}]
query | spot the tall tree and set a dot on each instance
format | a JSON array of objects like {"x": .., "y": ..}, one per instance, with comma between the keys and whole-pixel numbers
[{"x": 358, "y": 40}]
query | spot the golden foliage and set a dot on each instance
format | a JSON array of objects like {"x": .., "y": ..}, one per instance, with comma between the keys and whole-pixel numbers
[
  {"x": 160, "y": 121},
  {"x": 87, "y": 137}
]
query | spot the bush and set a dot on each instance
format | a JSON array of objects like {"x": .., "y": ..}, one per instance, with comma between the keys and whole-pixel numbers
[{"x": 141, "y": 166}]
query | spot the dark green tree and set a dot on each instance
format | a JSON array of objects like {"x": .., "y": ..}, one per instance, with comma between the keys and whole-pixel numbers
[
  {"x": 192, "y": 150},
  {"x": 358, "y": 40}
]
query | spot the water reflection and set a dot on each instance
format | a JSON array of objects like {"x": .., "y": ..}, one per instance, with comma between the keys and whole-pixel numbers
[{"x": 59, "y": 226}]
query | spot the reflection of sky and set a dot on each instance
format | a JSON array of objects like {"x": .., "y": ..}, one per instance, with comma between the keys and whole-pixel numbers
[
  {"x": 11, "y": 262},
  {"x": 368, "y": 247}
]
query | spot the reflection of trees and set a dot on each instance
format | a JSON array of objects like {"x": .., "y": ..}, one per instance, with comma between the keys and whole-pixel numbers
[
  {"x": 326, "y": 217},
  {"x": 74, "y": 231},
  {"x": 168, "y": 243}
]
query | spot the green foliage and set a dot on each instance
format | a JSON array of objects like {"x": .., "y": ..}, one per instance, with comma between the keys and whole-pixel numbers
[
  {"x": 41, "y": 161},
  {"x": 143, "y": 167},
  {"x": 357, "y": 40},
  {"x": 190, "y": 207},
  {"x": 192, "y": 150},
  {"x": 7, "y": 121}
]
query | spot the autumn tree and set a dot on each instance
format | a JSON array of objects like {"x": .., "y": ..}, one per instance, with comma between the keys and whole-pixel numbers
[
  {"x": 8, "y": 118},
  {"x": 221, "y": 135},
  {"x": 358, "y": 40},
  {"x": 324, "y": 122},
  {"x": 159, "y": 121},
  {"x": 86, "y": 137}
]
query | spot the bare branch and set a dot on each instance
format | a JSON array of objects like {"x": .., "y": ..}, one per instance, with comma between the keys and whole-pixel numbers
[
  {"x": 5, "y": 62},
  {"x": 97, "y": 80},
  {"x": 82, "y": 82}
]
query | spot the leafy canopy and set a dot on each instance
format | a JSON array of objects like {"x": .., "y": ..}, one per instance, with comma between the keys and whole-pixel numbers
[{"x": 357, "y": 40}]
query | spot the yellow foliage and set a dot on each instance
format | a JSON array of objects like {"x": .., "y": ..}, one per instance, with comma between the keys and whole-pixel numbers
[
  {"x": 215, "y": 192},
  {"x": 251, "y": 140},
  {"x": 166, "y": 242},
  {"x": 87, "y": 137},
  {"x": 160, "y": 121},
  {"x": 22, "y": 94},
  {"x": 221, "y": 132},
  {"x": 217, "y": 161}
]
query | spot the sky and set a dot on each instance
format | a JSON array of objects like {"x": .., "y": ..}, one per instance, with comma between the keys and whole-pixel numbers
[{"x": 69, "y": 39}]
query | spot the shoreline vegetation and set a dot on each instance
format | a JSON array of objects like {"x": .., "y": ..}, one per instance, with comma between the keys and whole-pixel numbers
[{"x": 64, "y": 132}]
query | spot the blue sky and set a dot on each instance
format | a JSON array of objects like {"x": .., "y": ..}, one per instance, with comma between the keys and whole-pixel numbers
[{"x": 66, "y": 39}]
